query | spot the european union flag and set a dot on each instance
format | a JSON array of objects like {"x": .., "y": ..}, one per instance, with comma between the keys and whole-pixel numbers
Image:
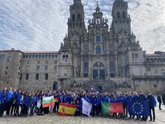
[{"x": 139, "y": 108}]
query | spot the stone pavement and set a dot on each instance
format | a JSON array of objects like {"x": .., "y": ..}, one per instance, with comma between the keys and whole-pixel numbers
[{"x": 55, "y": 119}]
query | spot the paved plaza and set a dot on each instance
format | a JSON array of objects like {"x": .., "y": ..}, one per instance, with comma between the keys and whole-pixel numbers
[{"x": 55, "y": 119}]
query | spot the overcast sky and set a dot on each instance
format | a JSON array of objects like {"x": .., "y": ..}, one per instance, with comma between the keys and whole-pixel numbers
[{"x": 42, "y": 24}]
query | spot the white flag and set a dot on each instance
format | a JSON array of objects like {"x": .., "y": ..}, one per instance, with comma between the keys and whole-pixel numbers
[{"x": 86, "y": 107}]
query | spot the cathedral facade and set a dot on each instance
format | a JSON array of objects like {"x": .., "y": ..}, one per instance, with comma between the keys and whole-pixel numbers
[{"x": 88, "y": 56}]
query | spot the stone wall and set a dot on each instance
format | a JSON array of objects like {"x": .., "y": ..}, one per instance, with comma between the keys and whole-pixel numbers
[{"x": 153, "y": 84}]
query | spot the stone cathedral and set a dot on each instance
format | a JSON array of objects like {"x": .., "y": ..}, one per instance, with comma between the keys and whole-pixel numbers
[{"x": 99, "y": 56}]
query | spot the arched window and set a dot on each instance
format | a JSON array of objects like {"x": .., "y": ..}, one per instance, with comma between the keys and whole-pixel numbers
[
  {"x": 98, "y": 39},
  {"x": 118, "y": 15},
  {"x": 124, "y": 15},
  {"x": 98, "y": 71},
  {"x": 136, "y": 55},
  {"x": 112, "y": 69},
  {"x": 73, "y": 18},
  {"x": 79, "y": 17},
  {"x": 98, "y": 50},
  {"x": 86, "y": 69}
]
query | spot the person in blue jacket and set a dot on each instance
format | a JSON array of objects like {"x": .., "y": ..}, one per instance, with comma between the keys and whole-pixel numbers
[
  {"x": 28, "y": 103},
  {"x": 120, "y": 98},
  {"x": 152, "y": 104},
  {"x": 96, "y": 105},
  {"x": 136, "y": 99},
  {"x": 68, "y": 99},
  {"x": 9, "y": 100},
  {"x": 33, "y": 103},
  {"x": 5, "y": 99},
  {"x": 129, "y": 104},
  {"x": 19, "y": 102},
  {"x": 125, "y": 105},
  {"x": 14, "y": 102},
  {"x": 78, "y": 103},
  {"x": 1, "y": 103}
]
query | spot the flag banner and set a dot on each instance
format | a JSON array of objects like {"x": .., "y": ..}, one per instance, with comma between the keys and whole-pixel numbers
[
  {"x": 56, "y": 100},
  {"x": 116, "y": 107},
  {"x": 139, "y": 108},
  {"x": 105, "y": 106},
  {"x": 67, "y": 109},
  {"x": 86, "y": 107},
  {"x": 48, "y": 101}
]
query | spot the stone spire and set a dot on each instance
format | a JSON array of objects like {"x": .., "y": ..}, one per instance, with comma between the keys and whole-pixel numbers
[
  {"x": 77, "y": 1},
  {"x": 97, "y": 8}
]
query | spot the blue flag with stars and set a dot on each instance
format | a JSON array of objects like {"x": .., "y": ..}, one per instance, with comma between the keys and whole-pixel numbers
[{"x": 139, "y": 108}]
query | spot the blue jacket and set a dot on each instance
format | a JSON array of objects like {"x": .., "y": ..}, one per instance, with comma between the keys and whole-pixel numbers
[
  {"x": 87, "y": 98},
  {"x": 79, "y": 103},
  {"x": 96, "y": 101},
  {"x": 125, "y": 100},
  {"x": 68, "y": 99},
  {"x": 119, "y": 99},
  {"x": 5, "y": 96},
  {"x": 1, "y": 97},
  {"x": 62, "y": 99},
  {"x": 105, "y": 99},
  {"x": 34, "y": 100},
  {"x": 9, "y": 96},
  {"x": 151, "y": 101},
  {"x": 129, "y": 100},
  {"x": 19, "y": 98},
  {"x": 142, "y": 97},
  {"x": 136, "y": 99},
  {"x": 28, "y": 101},
  {"x": 112, "y": 100}
]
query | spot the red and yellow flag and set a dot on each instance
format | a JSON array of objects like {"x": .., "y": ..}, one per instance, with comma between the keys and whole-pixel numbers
[
  {"x": 67, "y": 109},
  {"x": 56, "y": 100}
]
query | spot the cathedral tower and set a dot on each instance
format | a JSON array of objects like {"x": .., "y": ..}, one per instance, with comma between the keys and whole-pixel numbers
[
  {"x": 76, "y": 19},
  {"x": 121, "y": 20}
]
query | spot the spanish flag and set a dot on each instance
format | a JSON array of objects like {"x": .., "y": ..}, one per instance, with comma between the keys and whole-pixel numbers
[{"x": 67, "y": 109}]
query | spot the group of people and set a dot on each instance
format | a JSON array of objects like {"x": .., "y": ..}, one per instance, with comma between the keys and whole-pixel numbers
[{"x": 20, "y": 103}]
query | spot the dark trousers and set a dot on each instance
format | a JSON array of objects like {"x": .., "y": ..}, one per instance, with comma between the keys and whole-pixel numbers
[
  {"x": 18, "y": 106},
  {"x": 96, "y": 110},
  {"x": 56, "y": 106},
  {"x": 7, "y": 107},
  {"x": 160, "y": 106},
  {"x": 125, "y": 110},
  {"x": 32, "y": 109},
  {"x": 24, "y": 110},
  {"x": 152, "y": 113},
  {"x": 1, "y": 109},
  {"x": 13, "y": 109}
]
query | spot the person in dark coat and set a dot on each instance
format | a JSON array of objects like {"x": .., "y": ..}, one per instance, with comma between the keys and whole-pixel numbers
[
  {"x": 163, "y": 98},
  {"x": 159, "y": 101},
  {"x": 152, "y": 104}
]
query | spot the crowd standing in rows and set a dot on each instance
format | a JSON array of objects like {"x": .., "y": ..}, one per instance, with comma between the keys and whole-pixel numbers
[{"x": 21, "y": 103}]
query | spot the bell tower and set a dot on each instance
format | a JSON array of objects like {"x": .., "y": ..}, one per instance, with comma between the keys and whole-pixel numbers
[
  {"x": 76, "y": 19},
  {"x": 121, "y": 20}
]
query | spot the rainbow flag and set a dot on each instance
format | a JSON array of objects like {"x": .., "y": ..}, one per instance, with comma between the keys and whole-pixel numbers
[
  {"x": 67, "y": 109},
  {"x": 48, "y": 101}
]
